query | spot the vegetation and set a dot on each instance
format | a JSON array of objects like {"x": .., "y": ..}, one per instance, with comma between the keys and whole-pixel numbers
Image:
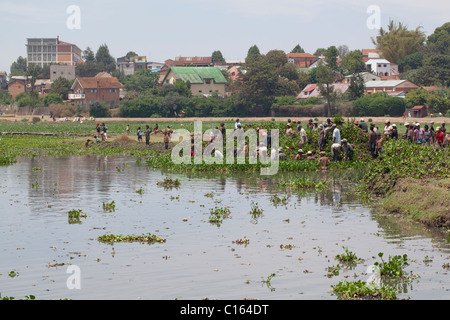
[
  {"x": 144, "y": 238},
  {"x": 360, "y": 290},
  {"x": 217, "y": 215}
]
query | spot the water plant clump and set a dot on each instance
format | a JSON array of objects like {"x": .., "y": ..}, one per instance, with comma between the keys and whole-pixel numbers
[
  {"x": 276, "y": 200},
  {"x": 169, "y": 183},
  {"x": 361, "y": 290},
  {"x": 348, "y": 257},
  {"x": 217, "y": 215},
  {"x": 255, "y": 211},
  {"x": 75, "y": 215},
  {"x": 144, "y": 238},
  {"x": 109, "y": 207},
  {"x": 394, "y": 267}
]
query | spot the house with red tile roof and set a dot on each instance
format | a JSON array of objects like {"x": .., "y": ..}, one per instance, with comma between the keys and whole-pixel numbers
[
  {"x": 96, "y": 89},
  {"x": 301, "y": 60},
  {"x": 312, "y": 90}
]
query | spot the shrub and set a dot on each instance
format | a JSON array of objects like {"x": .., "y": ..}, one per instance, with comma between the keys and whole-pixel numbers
[{"x": 99, "y": 110}]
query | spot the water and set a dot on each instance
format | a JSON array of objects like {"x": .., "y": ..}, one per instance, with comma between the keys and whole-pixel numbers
[{"x": 199, "y": 259}]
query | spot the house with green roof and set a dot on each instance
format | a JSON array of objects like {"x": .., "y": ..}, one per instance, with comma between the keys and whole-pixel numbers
[{"x": 203, "y": 80}]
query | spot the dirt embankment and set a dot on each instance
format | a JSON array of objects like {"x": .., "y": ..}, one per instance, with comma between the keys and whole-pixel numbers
[
  {"x": 437, "y": 121},
  {"x": 426, "y": 201}
]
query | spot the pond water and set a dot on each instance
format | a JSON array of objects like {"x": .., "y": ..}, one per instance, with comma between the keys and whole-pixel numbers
[{"x": 199, "y": 259}]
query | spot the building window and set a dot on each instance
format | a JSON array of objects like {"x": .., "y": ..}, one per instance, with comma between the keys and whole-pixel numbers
[{"x": 208, "y": 81}]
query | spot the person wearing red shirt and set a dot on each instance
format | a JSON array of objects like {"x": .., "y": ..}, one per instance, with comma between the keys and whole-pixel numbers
[{"x": 439, "y": 137}]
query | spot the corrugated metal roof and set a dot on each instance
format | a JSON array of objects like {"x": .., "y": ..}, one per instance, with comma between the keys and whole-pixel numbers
[
  {"x": 197, "y": 74},
  {"x": 384, "y": 83}
]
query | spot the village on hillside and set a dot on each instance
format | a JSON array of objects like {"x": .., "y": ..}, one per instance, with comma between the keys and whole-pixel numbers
[{"x": 57, "y": 78}]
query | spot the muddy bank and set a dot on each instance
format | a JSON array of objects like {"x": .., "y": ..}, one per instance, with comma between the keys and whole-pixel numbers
[{"x": 423, "y": 200}]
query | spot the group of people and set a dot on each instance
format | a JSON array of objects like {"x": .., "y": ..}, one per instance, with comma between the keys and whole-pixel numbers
[{"x": 148, "y": 131}]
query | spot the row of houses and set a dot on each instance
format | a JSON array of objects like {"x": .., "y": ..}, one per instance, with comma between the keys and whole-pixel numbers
[{"x": 205, "y": 76}]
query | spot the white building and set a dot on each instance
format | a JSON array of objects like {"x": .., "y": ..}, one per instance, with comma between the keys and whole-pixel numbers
[{"x": 382, "y": 67}]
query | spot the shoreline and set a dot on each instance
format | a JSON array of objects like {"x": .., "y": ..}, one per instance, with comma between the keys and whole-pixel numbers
[{"x": 437, "y": 120}]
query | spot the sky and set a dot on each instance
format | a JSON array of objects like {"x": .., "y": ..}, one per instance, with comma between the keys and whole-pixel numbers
[{"x": 164, "y": 30}]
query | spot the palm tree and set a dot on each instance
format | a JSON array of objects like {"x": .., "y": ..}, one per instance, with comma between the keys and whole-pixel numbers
[{"x": 397, "y": 41}]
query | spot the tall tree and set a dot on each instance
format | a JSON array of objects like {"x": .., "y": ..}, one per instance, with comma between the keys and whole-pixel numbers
[
  {"x": 217, "y": 57},
  {"x": 19, "y": 67},
  {"x": 88, "y": 55},
  {"x": 105, "y": 61},
  {"x": 325, "y": 80},
  {"x": 331, "y": 55},
  {"x": 298, "y": 49},
  {"x": 253, "y": 54},
  {"x": 397, "y": 41},
  {"x": 259, "y": 84},
  {"x": 439, "y": 41}
]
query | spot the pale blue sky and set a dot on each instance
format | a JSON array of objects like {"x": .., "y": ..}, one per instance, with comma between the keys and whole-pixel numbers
[{"x": 166, "y": 29}]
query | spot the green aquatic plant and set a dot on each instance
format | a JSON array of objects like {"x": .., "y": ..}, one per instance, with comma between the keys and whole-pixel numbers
[
  {"x": 109, "y": 207},
  {"x": 217, "y": 215},
  {"x": 255, "y": 211},
  {"x": 360, "y": 290},
  {"x": 277, "y": 200},
  {"x": 144, "y": 238},
  {"x": 348, "y": 257},
  {"x": 169, "y": 183},
  {"x": 28, "y": 297},
  {"x": 394, "y": 267},
  {"x": 75, "y": 215}
]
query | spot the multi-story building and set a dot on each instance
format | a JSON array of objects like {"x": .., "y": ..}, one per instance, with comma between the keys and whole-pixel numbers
[
  {"x": 96, "y": 89},
  {"x": 47, "y": 51}
]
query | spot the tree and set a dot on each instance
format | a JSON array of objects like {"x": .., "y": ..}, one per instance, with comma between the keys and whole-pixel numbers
[
  {"x": 259, "y": 84},
  {"x": 141, "y": 81},
  {"x": 131, "y": 54},
  {"x": 52, "y": 98},
  {"x": 99, "y": 110},
  {"x": 88, "y": 55},
  {"x": 397, "y": 41},
  {"x": 435, "y": 71},
  {"x": 298, "y": 49},
  {"x": 320, "y": 52},
  {"x": 353, "y": 63},
  {"x": 5, "y": 98},
  {"x": 253, "y": 55},
  {"x": 411, "y": 62},
  {"x": 19, "y": 67},
  {"x": 439, "y": 41},
  {"x": 331, "y": 55},
  {"x": 356, "y": 87},
  {"x": 217, "y": 57},
  {"x": 277, "y": 58},
  {"x": 343, "y": 50},
  {"x": 61, "y": 86},
  {"x": 104, "y": 60},
  {"x": 325, "y": 80}
]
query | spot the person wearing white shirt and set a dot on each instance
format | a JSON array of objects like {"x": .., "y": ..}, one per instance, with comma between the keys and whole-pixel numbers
[{"x": 336, "y": 135}]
